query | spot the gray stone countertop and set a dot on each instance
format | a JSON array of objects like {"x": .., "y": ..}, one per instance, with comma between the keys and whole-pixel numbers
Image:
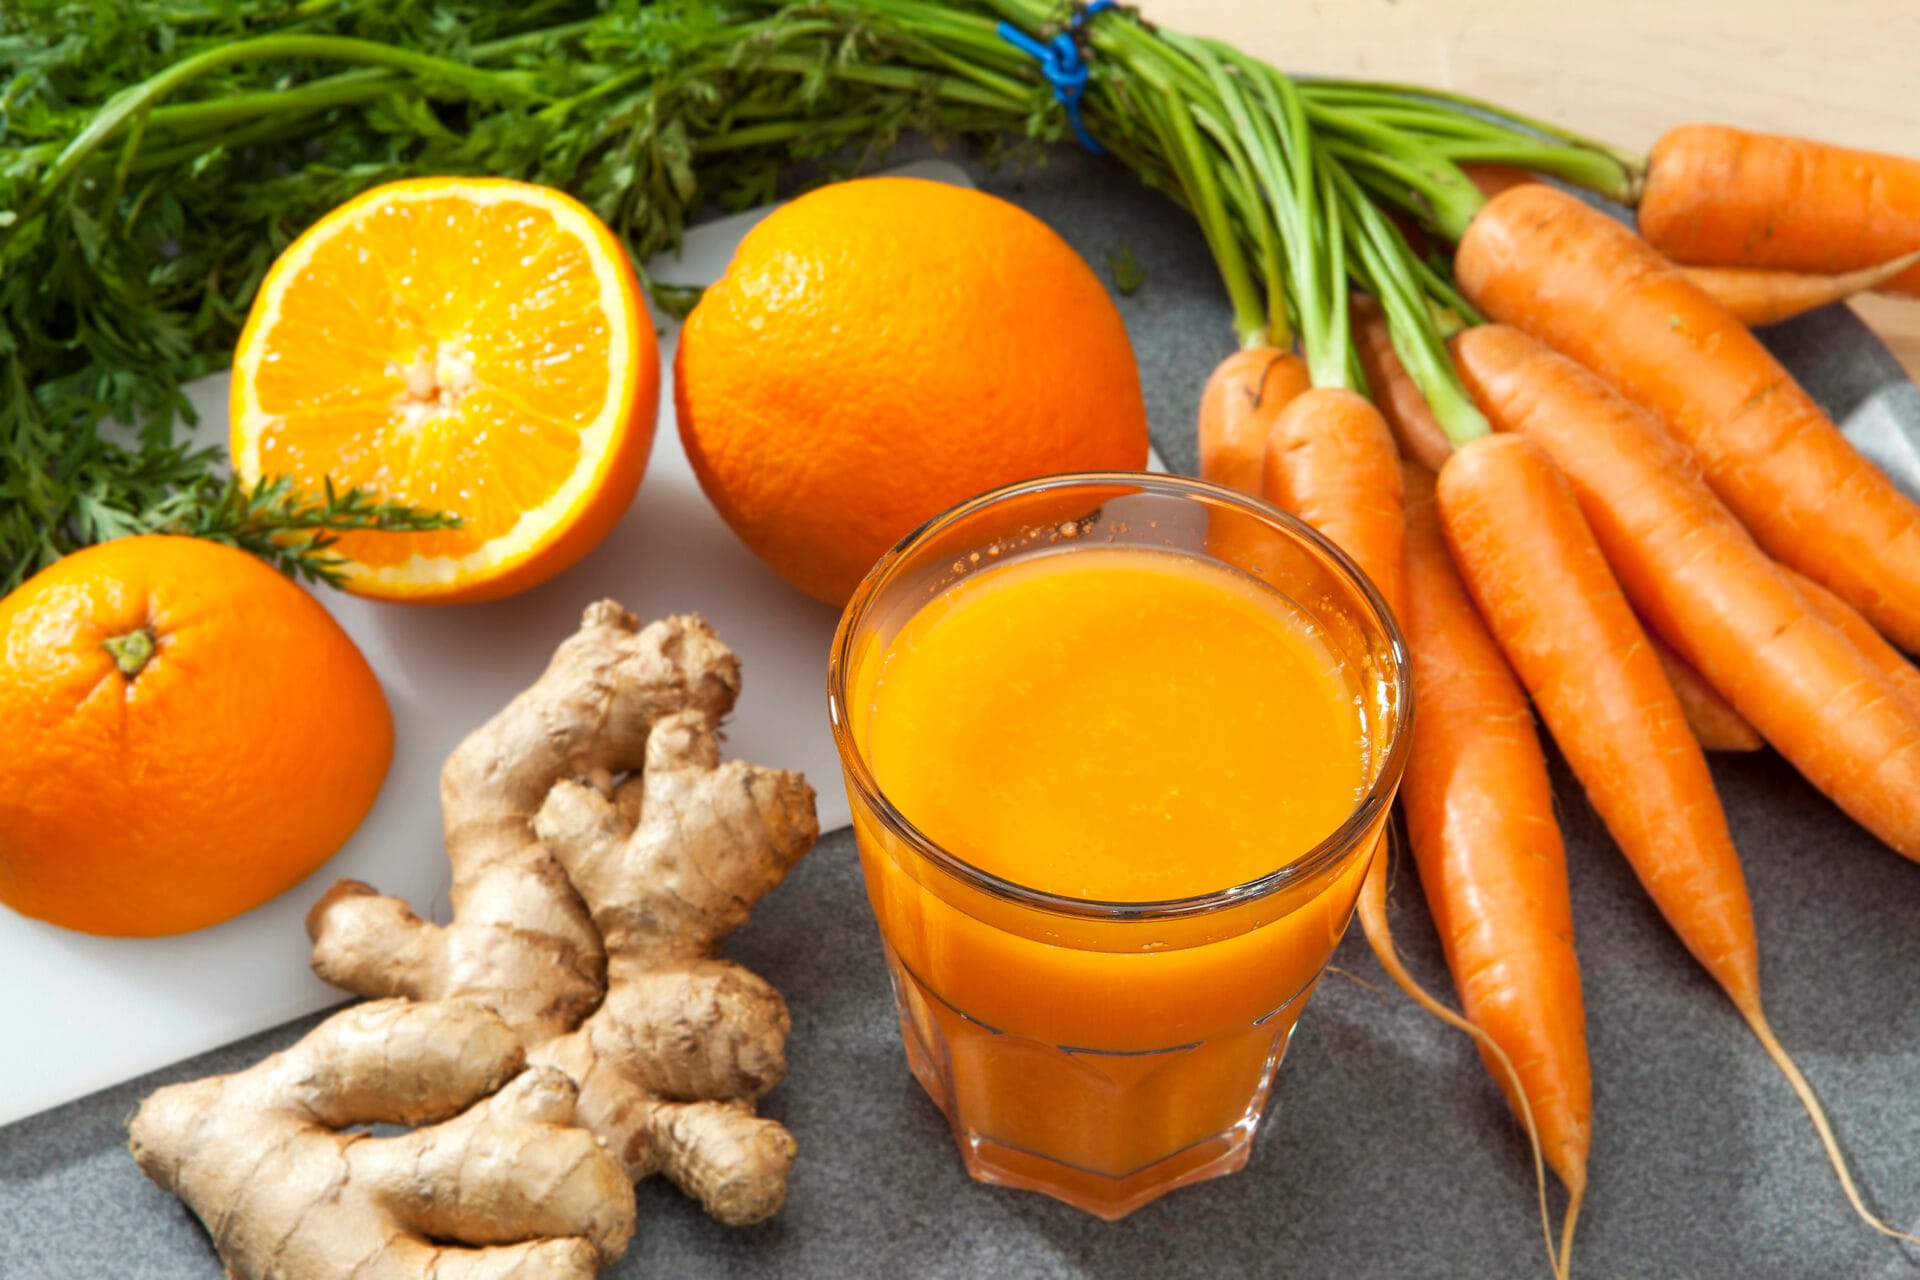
[{"x": 1387, "y": 1151}]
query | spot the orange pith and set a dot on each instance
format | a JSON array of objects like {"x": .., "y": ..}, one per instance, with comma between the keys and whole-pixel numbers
[{"x": 470, "y": 346}]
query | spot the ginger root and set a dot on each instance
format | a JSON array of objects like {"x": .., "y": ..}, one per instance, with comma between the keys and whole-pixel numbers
[
  {"x": 600, "y": 853},
  {"x": 498, "y": 1163}
]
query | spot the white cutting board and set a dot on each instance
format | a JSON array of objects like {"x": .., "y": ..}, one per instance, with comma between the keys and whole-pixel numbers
[{"x": 81, "y": 1013}]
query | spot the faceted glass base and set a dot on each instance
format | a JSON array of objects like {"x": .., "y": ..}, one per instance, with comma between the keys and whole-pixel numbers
[{"x": 1104, "y": 1131}]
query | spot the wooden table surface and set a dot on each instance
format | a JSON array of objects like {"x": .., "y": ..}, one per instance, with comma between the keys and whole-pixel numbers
[{"x": 1624, "y": 71}]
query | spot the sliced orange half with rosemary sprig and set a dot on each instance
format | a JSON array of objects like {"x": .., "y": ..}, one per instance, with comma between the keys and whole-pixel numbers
[{"x": 472, "y": 346}]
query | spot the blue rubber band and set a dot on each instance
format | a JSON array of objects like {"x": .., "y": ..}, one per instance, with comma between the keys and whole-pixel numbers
[{"x": 1061, "y": 63}]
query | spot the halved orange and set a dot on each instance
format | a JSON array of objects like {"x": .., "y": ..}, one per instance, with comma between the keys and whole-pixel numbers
[{"x": 469, "y": 345}]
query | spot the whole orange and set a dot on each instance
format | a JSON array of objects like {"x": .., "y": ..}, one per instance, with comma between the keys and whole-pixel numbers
[
  {"x": 881, "y": 349},
  {"x": 188, "y": 733}
]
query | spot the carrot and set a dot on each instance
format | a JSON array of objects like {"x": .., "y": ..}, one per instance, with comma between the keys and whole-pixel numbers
[
  {"x": 1534, "y": 568},
  {"x": 1712, "y": 718},
  {"x": 1714, "y": 721},
  {"x": 1756, "y": 295},
  {"x": 1329, "y": 457},
  {"x": 1382, "y": 266},
  {"x": 1330, "y": 460},
  {"x": 1399, "y": 400},
  {"x": 1568, "y": 274},
  {"x": 1723, "y": 197},
  {"x": 1236, "y": 411},
  {"x": 1698, "y": 577},
  {"x": 1905, "y": 676},
  {"x": 1547, "y": 595},
  {"x": 1479, "y": 810}
]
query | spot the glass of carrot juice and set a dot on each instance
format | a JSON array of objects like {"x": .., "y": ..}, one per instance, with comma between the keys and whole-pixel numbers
[{"x": 1120, "y": 748}]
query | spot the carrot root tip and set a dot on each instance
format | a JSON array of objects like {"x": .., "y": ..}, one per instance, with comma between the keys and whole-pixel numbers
[{"x": 1815, "y": 1112}]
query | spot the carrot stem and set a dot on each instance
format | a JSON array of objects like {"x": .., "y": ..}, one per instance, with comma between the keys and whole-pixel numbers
[
  {"x": 1449, "y": 308},
  {"x": 1169, "y": 116},
  {"x": 1463, "y": 129},
  {"x": 1585, "y": 169},
  {"x": 1431, "y": 185},
  {"x": 1280, "y": 157},
  {"x": 1463, "y": 139},
  {"x": 1630, "y": 167},
  {"x": 1242, "y": 183},
  {"x": 1243, "y": 188},
  {"x": 1273, "y": 162},
  {"x": 1383, "y": 265},
  {"x": 1405, "y": 116},
  {"x": 1339, "y": 316}
]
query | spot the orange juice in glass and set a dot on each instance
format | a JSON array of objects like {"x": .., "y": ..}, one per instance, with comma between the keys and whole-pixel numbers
[{"x": 1120, "y": 749}]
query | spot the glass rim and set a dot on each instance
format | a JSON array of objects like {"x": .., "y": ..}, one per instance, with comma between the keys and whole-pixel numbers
[{"x": 1370, "y": 808}]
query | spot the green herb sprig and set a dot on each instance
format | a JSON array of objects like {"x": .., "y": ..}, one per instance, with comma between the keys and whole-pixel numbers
[{"x": 290, "y": 529}]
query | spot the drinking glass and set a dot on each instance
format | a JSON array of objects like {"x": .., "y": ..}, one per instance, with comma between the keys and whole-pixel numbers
[{"x": 1100, "y": 1052}]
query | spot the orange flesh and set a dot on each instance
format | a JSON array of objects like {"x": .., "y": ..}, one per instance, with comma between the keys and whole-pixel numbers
[
  {"x": 397, "y": 362},
  {"x": 1115, "y": 724}
]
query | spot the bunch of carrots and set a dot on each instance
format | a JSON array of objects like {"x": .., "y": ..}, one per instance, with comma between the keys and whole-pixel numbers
[{"x": 1580, "y": 482}]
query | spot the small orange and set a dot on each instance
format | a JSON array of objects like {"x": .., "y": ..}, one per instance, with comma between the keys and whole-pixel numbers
[
  {"x": 469, "y": 345},
  {"x": 188, "y": 733},
  {"x": 879, "y": 350}
]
